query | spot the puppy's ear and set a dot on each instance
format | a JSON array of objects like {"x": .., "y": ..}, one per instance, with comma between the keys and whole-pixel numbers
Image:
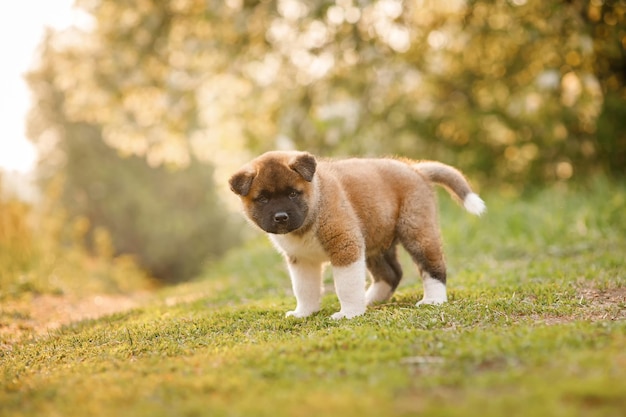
[
  {"x": 304, "y": 164},
  {"x": 241, "y": 181}
]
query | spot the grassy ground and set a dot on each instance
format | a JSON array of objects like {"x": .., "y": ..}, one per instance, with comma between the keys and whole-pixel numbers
[{"x": 536, "y": 325}]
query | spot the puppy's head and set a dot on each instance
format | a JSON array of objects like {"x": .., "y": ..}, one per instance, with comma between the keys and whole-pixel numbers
[{"x": 276, "y": 190}]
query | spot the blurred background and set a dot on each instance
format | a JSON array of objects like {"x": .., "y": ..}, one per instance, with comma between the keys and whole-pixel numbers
[{"x": 140, "y": 109}]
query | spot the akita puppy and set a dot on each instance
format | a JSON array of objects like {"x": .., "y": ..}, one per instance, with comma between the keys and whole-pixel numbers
[{"x": 351, "y": 213}]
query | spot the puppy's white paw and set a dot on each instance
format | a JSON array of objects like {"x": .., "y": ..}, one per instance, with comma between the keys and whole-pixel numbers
[
  {"x": 434, "y": 292},
  {"x": 347, "y": 314},
  {"x": 299, "y": 314},
  {"x": 431, "y": 301}
]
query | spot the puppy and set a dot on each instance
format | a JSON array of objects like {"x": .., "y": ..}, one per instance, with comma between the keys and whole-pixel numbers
[{"x": 351, "y": 213}]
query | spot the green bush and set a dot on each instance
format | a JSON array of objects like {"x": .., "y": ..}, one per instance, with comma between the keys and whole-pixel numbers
[
  {"x": 44, "y": 252},
  {"x": 170, "y": 219},
  {"x": 17, "y": 247}
]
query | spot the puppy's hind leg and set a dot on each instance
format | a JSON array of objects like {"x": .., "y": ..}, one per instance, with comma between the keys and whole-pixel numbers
[
  {"x": 429, "y": 257},
  {"x": 435, "y": 292},
  {"x": 386, "y": 273}
]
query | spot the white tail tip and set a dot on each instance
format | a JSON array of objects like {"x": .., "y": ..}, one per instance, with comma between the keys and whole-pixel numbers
[{"x": 474, "y": 204}]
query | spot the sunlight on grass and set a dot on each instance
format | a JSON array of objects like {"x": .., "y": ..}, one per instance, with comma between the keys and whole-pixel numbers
[{"x": 536, "y": 325}]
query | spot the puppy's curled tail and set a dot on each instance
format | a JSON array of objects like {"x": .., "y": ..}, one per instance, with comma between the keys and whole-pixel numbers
[{"x": 454, "y": 182}]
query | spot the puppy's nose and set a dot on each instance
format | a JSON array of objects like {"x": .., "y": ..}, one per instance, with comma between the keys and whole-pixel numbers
[{"x": 281, "y": 217}]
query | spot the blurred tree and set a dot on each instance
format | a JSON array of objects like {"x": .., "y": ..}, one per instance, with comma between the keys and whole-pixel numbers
[
  {"x": 169, "y": 218},
  {"x": 606, "y": 23},
  {"x": 510, "y": 90}
]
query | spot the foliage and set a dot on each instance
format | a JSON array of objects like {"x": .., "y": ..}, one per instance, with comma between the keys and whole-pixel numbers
[
  {"x": 606, "y": 21},
  {"x": 536, "y": 325},
  {"x": 515, "y": 92},
  {"x": 38, "y": 254},
  {"x": 16, "y": 240},
  {"x": 169, "y": 219},
  {"x": 509, "y": 90}
]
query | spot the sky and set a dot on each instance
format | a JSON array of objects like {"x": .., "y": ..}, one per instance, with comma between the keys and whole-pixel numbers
[{"x": 22, "y": 24}]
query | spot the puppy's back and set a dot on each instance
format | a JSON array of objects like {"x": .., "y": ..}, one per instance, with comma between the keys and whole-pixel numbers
[
  {"x": 376, "y": 189},
  {"x": 366, "y": 170}
]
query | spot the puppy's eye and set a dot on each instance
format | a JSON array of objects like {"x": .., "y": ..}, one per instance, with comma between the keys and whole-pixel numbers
[
  {"x": 261, "y": 199},
  {"x": 294, "y": 194}
]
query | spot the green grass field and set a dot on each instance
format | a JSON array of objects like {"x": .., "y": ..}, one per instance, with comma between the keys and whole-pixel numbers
[{"x": 535, "y": 326}]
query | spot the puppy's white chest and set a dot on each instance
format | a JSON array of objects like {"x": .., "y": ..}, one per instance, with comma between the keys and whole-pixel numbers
[{"x": 306, "y": 247}]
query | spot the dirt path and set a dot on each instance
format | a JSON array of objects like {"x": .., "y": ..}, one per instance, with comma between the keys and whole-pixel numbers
[{"x": 40, "y": 314}]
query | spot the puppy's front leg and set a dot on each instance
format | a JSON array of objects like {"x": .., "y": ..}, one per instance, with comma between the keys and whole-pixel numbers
[
  {"x": 306, "y": 281},
  {"x": 350, "y": 288}
]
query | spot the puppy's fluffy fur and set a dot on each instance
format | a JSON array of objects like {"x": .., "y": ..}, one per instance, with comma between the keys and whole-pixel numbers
[{"x": 351, "y": 213}]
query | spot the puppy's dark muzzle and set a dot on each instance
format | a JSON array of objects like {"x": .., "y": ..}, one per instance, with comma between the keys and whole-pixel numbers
[{"x": 281, "y": 217}]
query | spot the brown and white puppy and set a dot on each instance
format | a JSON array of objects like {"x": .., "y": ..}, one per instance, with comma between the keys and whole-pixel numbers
[{"x": 351, "y": 213}]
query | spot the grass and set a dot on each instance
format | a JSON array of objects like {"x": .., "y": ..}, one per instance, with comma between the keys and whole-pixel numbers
[{"x": 536, "y": 325}]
